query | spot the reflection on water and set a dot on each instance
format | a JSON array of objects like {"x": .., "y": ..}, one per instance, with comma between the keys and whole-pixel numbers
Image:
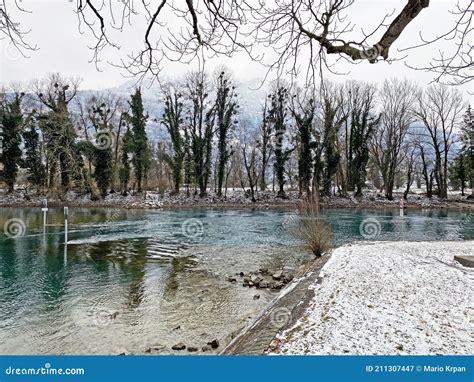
[{"x": 131, "y": 280}]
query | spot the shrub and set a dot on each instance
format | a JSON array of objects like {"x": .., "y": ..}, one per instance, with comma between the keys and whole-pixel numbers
[{"x": 312, "y": 230}]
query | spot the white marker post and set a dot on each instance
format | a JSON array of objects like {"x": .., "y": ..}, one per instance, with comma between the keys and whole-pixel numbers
[
  {"x": 45, "y": 214},
  {"x": 66, "y": 214}
]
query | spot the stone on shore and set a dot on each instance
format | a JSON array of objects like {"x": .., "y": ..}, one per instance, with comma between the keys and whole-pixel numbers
[
  {"x": 179, "y": 346},
  {"x": 214, "y": 343},
  {"x": 467, "y": 261},
  {"x": 277, "y": 275}
]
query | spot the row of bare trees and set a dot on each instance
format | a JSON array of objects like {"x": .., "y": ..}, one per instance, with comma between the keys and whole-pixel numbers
[
  {"x": 332, "y": 139},
  {"x": 400, "y": 132}
]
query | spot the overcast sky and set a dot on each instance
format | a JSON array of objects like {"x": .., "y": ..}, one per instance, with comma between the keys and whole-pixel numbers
[{"x": 62, "y": 48}]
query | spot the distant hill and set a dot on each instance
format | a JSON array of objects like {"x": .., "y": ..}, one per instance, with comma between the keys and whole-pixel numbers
[{"x": 250, "y": 101}]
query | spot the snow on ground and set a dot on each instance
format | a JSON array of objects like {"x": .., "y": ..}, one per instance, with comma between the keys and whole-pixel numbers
[
  {"x": 389, "y": 298},
  {"x": 234, "y": 197}
]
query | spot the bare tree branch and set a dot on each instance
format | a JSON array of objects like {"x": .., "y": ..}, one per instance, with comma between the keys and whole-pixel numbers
[
  {"x": 456, "y": 67},
  {"x": 10, "y": 30}
]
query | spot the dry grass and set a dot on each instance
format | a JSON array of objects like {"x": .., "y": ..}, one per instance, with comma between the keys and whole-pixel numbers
[{"x": 312, "y": 230}]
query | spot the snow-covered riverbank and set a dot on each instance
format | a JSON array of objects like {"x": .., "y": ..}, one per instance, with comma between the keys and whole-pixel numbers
[
  {"x": 389, "y": 298},
  {"x": 235, "y": 198}
]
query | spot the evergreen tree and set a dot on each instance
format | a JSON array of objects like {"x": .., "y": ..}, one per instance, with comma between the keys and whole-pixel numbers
[
  {"x": 278, "y": 115},
  {"x": 199, "y": 129},
  {"x": 460, "y": 171},
  {"x": 173, "y": 119},
  {"x": 103, "y": 170},
  {"x": 60, "y": 143},
  {"x": 11, "y": 123},
  {"x": 140, "y": 148},
  {"x": 101, "y": 116},
  {"x": 102, "y": 160},
  {"x": 304, "y": 117},
  {"x": 331, "y": 128},
  {"x": 467, "y": 132},
  {"x": 362, "y": 128},
  {"x": 88, "y": 150},
  {"x": 59, "y": 133},
  {"x": 226, "y": 106},
  {"x": 264, "y": 145},
  {"x": 33, "y": 162},
  {"x": 188, "y": 162},
  {"x": 124, "y": 172},
  {"x": 360, "y": 125}
]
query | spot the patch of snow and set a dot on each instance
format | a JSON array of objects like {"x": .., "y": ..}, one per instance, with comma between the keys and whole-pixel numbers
[
  {"x": 389, "y": 298},
  {"x": 234, "y": 196}
]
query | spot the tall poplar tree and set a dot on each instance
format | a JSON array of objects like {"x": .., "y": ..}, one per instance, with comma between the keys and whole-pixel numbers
[
  {"x": 11, "y": 122},
  {"x": 138, "y": 121}
]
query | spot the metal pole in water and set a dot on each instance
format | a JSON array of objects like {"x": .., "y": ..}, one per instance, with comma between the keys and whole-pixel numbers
[
  {"x": 66, "y": 214},
  {"x": 45, "y": 214},
  {"x": 402, "y": 206},
  {"x": 65, "y": 254}
]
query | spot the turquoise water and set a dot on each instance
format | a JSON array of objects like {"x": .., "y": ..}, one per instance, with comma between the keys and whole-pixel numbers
[{"x": 135, "y": 279}]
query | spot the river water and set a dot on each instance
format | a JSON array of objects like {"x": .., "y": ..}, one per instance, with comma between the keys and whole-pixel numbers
[{"x": 130, "y": 280}]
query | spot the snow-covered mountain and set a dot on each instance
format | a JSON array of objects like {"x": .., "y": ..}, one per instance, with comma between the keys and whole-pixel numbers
[{"x": 251, "y": 101}]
